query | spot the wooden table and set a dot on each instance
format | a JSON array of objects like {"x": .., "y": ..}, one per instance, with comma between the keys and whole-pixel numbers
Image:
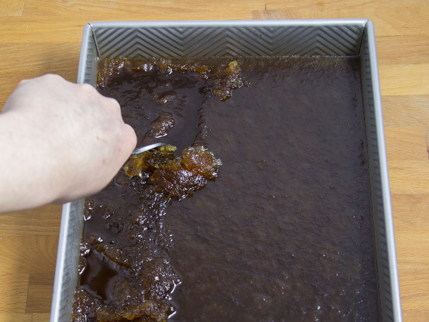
[{"x": 43, "y": 36}]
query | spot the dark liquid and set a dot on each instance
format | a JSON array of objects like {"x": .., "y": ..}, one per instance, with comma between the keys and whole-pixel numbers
[{"x": 285, "y": 231}]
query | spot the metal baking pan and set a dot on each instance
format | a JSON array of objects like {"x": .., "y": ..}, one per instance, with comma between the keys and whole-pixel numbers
[{"x": 345, "y": 37}]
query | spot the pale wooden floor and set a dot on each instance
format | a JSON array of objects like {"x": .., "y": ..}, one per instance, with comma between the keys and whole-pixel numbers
[{"x": 41, "y": 36}]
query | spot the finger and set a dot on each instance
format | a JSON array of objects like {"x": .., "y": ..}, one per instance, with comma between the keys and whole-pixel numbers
[
  {"x": 112, "y": 105},
  {"x": 23, "y": 81},
  {"x": 130, "y": 138}
]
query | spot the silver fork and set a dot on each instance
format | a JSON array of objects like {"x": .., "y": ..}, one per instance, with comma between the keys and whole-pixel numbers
[{"x": 147, "y": 148}]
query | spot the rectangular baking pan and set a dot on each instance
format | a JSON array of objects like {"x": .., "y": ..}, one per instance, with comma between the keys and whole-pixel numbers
[{"x": 345, "y": 37}]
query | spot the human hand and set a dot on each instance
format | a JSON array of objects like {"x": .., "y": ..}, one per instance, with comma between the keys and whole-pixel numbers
[{"x": 59, "y": 142}]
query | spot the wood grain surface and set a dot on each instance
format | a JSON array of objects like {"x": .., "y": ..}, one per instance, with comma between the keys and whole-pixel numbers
[{"x": 43, "y": 36}]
